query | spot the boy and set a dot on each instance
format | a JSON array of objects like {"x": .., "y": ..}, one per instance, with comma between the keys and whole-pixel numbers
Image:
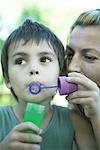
[{"x": 32, "y": 53}]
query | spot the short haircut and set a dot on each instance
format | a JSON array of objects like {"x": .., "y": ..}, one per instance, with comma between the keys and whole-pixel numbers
[{"x": 31, "y": 31}]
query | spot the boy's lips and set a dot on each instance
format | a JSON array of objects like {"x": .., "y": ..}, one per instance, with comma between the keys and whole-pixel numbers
[
  {"x": 34, "y": 82},
  {"x": 35, "y": 88}
]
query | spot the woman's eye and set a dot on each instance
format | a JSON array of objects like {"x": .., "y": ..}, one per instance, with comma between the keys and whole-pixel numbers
[
  {"x": 45, "y": 59},
  {"x": 90, "y": 58},
  {"x": 20, "y": 61},
  {"x": 70, "y": 56}
]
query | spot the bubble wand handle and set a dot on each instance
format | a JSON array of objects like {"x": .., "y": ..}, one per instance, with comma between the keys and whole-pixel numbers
[{"x": 46, "y": 87}]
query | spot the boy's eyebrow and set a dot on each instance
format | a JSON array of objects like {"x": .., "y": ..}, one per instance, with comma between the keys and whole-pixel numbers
[
  {"x": 47, "y": 53},
  {"x": 19, "y": 53},
  {"x": 41, "y": 53}
]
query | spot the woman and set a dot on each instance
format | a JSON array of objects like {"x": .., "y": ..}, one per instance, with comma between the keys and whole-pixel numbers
[{"x": 83, "y": 68}]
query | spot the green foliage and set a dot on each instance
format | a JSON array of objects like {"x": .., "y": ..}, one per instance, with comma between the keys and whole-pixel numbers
[
  {"x": 6, "y": 99},
  {"x": 33, "y": 12},
  {"x": 1, "y": 44},
  {"x": 1, "y": 78}
]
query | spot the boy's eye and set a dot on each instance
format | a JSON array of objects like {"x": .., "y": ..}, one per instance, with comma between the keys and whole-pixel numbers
[
  {"x": 20, "y": 61},
  {"x": 45, "y": 59}
]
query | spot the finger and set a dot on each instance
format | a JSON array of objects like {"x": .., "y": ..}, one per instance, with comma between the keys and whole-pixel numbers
[
  {"x": 89, "y": 111},
  {"x": 82, "y": 80},
  {"x": 75, "y": 74},
  {"x": 93, "y": 97},
  {"x": 78, "y": 94},
  {"x": 27, "y": 137},
  {"x": 27, "y": 126},
  {"x": 25, "y": 146},
  {"x": 87, "y": 101}
]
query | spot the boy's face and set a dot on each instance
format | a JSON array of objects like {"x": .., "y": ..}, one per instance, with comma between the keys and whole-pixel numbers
[{"x": 32, "y": 63}]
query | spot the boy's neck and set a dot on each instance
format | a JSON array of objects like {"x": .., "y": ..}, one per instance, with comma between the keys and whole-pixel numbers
[{"x": 19, "y": 109}]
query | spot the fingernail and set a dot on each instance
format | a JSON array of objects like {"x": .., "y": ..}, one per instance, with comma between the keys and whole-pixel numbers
[
  {"x": 68, "y": 78},
  {"x": 40, "y": 131}
]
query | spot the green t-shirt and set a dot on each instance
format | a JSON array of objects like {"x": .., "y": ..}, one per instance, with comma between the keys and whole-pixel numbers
[
  {"x": 8, "y": 121},
  {"x": 58, "y": 135}
]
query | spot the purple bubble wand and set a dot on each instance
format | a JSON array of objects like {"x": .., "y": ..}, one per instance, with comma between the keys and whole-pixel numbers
[{"x": 63, "y": 86}]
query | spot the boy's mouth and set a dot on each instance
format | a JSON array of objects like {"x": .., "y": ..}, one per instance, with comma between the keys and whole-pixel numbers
[{"x": 34, "y": 87}]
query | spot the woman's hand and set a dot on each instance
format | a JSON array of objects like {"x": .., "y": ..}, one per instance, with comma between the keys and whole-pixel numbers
[
  {"x": 17, "y": 139},
  {"x": 88, "y": 94}
]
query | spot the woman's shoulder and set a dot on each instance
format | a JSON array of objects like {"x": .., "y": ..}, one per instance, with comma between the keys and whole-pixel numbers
[
  {"x": 80, "y": 121},
  {"x": 84, "y": 135}
]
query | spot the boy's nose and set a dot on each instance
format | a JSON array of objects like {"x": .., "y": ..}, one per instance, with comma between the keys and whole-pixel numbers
[
  {"x": 33, "y": 68},
  {"x": 75, "y": 65},
  {"x": 34, "y": 72}
]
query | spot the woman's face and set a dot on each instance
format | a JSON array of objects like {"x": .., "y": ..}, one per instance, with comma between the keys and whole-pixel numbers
[{"x": 83, "y": 52}]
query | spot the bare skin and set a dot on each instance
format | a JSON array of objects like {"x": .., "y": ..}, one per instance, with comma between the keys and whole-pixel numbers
[{"x": 84, "y": 69}]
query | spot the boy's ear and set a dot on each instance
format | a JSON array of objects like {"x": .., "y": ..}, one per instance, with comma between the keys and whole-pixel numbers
[{"x": 8, "y": 84}]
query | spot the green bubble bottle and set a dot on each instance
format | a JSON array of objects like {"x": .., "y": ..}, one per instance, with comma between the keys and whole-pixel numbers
[{"x": 34, "y": 113}]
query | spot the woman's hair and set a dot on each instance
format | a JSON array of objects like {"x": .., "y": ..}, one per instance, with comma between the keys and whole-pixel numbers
[{"x": 88, "y": 18}]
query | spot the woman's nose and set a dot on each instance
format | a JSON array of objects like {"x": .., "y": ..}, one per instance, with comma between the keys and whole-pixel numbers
[{"x": 75, "y": 65}]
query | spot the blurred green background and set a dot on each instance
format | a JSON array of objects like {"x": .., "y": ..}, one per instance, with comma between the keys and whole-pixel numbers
[{"x": 56, "y": 14}]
